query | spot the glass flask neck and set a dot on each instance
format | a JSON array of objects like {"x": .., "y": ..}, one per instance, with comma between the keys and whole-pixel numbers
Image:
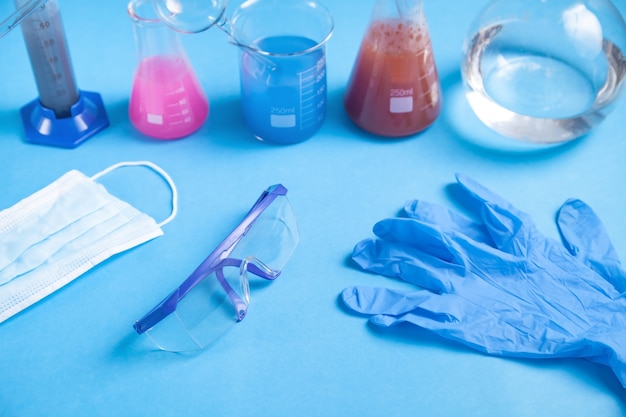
[
  {"x": 398, "y": 9},
  {"x": 152, "y": 36}
]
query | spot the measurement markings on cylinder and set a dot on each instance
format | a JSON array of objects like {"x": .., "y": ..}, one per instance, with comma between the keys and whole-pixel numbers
[{"x": 50, "y": 60}]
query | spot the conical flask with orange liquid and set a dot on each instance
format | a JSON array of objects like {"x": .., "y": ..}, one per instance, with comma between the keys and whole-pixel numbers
[{"x": 394, "y": 88}]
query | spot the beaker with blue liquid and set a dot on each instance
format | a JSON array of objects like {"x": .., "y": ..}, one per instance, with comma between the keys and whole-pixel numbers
[
  {"x": 282, "y": 64},
  {"x": 283, "y": 68}
]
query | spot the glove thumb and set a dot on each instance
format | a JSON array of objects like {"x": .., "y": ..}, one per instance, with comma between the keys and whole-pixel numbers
[{"x": 585, "y": 237}]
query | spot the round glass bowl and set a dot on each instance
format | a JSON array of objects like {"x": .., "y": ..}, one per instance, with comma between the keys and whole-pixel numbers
[{"x": 544, "y": 71}]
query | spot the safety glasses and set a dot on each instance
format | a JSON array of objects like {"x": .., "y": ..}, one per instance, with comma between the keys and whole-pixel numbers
[{"x": 217, "y": 294}]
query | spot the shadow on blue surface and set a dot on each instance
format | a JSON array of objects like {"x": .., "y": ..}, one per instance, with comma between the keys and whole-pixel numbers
[{"x": 11, "y": 122}]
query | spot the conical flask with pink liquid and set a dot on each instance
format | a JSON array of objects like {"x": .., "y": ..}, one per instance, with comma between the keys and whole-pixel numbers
[{"x": 167, "y": 100}]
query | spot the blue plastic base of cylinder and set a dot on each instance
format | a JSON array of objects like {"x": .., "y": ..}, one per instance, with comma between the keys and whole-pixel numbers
[{"x": 88, "y": 117}]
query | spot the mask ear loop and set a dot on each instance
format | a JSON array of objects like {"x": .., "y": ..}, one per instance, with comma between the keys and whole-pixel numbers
[{"x": 156, "y": 169}]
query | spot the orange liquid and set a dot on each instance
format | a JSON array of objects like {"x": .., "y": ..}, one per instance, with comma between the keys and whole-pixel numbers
[{"x": 394, "y": 88}]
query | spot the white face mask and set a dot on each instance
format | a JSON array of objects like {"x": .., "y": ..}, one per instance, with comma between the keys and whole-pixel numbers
[{"x": 58, "y": 233}]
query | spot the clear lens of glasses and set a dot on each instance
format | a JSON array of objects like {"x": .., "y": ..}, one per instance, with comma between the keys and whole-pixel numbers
[{"x": 222, "y": 298}]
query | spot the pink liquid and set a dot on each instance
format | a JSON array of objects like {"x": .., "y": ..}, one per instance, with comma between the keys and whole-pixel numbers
[{"x": 167, "y": 101}]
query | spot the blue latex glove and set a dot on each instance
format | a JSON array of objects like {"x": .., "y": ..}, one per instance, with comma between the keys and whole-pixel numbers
[{"x": 498, "y": 285}]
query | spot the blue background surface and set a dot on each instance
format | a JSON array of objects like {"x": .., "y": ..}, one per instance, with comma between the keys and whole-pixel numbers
[{"x": 297, "y": 352}]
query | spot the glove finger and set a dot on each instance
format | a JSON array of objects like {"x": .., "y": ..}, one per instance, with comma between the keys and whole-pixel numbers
[
  {"x": 447, "y": 220},
  {"x": 388, "y": 307},
  {"x": 448, "y": 316},
  {"x": 477, "y": 195},
  {"x": 422, "y": 254},
  {"x": 585, "y": 237},
  {"x": 485, "y": 332},
  {"x": 583, "y": 233},
  {"x": 450, "y": 246},
  {"x": 407, "y": 263},
  {"x": 427, "y": 237},
  {"x": 486, "y": 342},
  {"x": 511, "y": 229},
  {"x": 372, "y": 301},
  {"x": 429, "y": 323}
]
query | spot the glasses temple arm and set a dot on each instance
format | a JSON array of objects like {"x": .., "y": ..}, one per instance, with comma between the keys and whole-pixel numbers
[
  {"x": 168, "y": 305},
  {"x": 261, "y": 272},
  {"x": 241, "y": 305}
]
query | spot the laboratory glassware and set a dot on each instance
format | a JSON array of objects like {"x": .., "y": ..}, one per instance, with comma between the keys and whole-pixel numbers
[
  {"x": 167, "y": 100},
  {"x": 63, "y": 115},
  {"x": 282, "y": 65},
  {"x": 394, "y": 88},
  {"x": 544, "y": 71},
  {"x": 192, "y": 16},
  {"x": 13, "y": 14},
  {"x": 217, "y": 294}
]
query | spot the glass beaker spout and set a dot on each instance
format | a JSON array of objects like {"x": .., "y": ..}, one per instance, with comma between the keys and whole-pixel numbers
[
  {"x": 394, "y": 87},
  {"x": 167, "y": 100}
]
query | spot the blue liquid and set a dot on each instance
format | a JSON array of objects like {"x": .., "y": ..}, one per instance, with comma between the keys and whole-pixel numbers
[{"x": 284, "y": 97}]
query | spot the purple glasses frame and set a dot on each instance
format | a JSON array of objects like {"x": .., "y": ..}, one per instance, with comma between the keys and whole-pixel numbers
[{"x": 215, "y": 262}]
